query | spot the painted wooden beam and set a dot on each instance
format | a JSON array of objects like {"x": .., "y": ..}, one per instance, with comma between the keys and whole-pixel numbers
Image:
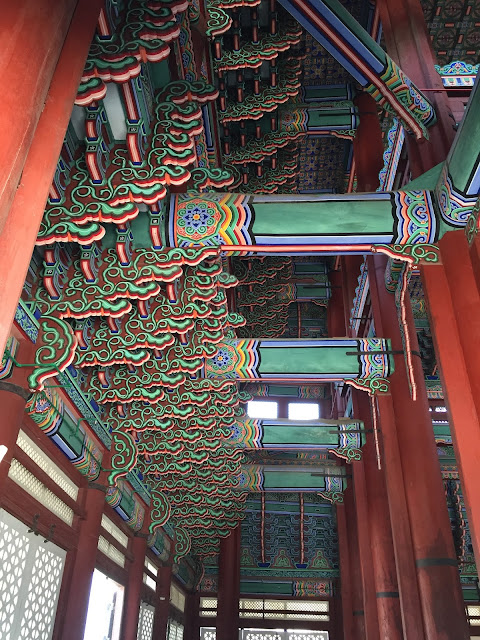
[{"x": 340, "y": 34}]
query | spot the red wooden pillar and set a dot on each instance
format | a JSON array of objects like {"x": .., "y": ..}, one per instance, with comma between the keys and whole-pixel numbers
[
  {"x": 412, "y": 619},
  {"x": 336, "y": 616},
  {"x": 38, "y": 110},
  {"x": 345, "y": 574},
  {"x": 475, "y": 258},
  {"x": 366, "y": 566},
  {"x": 358, "y": 613},
  {"x": 435, "y": 559},
  {"x": 453, "y": 300},
  {"x": 162, "y": 602},
  {"x": 368, "y": 144},
  {"x": 85, "y": 555},
  {"x": 381, "y": 542},
  {"x": 14, "y": 394},
  {"x": 32, "y": 34},
  {"x": 408, "y": 43},
  {"x": 192, "y": 617},
  {"x": 133, "y": 595},
  {"x": 335, "y": 310},
  {"x": 229, "y": 586}
]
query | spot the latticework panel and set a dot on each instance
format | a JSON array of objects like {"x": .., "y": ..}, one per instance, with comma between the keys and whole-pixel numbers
[
  {"x": 208, "y": 633},
  {"x": 114, "y": 531},
  {"x": 41, "y": 600},
  {"x": 32, "y": 485},
  {"x": 262, "y": 635},
  {"x": 13, "y": 555},
  {"x": 308, "y": 635},
  {"x": 177, "y": 598},
  {"x": 44, "y": 462},
  {"x": 112, "y": 552},
  {"x": 30, "y": 578},
  {"x": 268, "y": 634},
  {"x": 175, "y": 630},
  {"x": 145, "y": 621}
]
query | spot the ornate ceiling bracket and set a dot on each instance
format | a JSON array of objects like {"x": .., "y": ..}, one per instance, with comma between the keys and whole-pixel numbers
[
  {"x": 413, "y": 254},
  {"x": 371, "y": 385},
  {"x": 252, "y": 55},
  {"x": 218, "y": 20},
  {"x": 334, "y": 488},
  {"x": 142, "y": 35}
]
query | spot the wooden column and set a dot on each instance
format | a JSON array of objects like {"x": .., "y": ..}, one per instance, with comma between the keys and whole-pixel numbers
[
  {"x": 133, "y": 592},
  {"x": 453, "y": 302},
  {"x": 381, "y": 542},
  {"x": 368, "y": 144},
  {"x": 408, "y": 43},
  {"x": 335, "y": 309},
  {"x": 336, "y": 615},
  {"x": 76, "y": 608},
  {"x": 229, "y": 586},
  {"x": 345, "y": 574},
  {"x": 412, "y": 619},
  {"x": 32, "y": 33},
  {"x": 41, "y": 66},
  {"x": 358, "y": 612},
  {"x": 162, "y": 602},
  {"x": 437, "y": 572},
  {"x": 192, "y": 617},
  {"x": 366, "y": 565}
]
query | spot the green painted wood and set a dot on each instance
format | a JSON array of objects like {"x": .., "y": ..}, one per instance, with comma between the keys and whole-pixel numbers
[
  {"x": 307, "y": 360},
  {"x": 322, "y": 216}
]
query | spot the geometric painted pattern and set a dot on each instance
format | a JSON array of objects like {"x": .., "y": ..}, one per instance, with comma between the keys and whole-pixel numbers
[{"x": 453, "y": 27}]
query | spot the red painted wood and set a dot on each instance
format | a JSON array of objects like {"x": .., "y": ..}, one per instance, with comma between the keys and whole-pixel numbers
[
  {"x": 24, "y": 507},
  {"x": 402, "y": 536},
  {"x": 368, "y": 144},
  {"x": 192, "y": 617},
  {"x": 85, "y": 558},
  {"x": 13, "y": 406},
  {"x": 345, "y": 575},
  {"x": 475, "y": 258},
  {"x": 408, "y": 44},
  {"x": 358, "y": 613},
  {"x": 17, "y": 238},
  {"x": 228, "y": 586},
  {"x": 32, "y": 33},
  {"x": 452, "y": 298},
  {"x": 39, "y": 473},
  {"x": 162, "y": 602},
  {"x": 381, "y": 542},
  {"x": 63, "y": 594},
  {"x": 335, "y": 310},
  {"x": 372, "y": 631},
  {"x": 438, "y": 581},
  {"x": 131, "y": 608}
]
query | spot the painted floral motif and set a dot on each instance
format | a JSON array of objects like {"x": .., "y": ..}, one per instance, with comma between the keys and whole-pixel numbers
[
  {"x": 198, "y": 219},
  {"x": 223, "y": 359}
]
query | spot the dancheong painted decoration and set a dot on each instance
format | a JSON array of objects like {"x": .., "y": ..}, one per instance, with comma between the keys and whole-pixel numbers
[{"x": 204, "y": 244}]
